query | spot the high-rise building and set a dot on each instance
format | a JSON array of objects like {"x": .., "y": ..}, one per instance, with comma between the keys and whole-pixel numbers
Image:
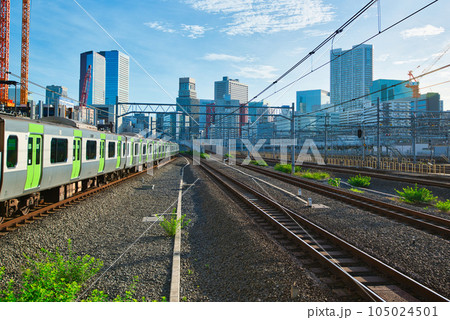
[
  {"x": 351, "y": 75},
  {"x": 116, "y": 76},
  {"x": 386, "y": 90},
  {"x": 231, "y": 87},
  {"x": 53, "y": 94},
  {"x": 187, "y": 102},
  {"x": 96, "y": 90},
  {"x": 311, "y": 100}
]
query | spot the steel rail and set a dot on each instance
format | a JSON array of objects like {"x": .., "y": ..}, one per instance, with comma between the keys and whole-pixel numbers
[
  {"x": 415, "y": 288},
  {"x": 437, "y": 181},
  {"x": 434, "y": 224},
  {"x": 17, "y": 222}
]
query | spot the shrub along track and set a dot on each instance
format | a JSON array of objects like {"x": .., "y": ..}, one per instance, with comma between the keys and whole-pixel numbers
[
  {"x": 372, "y": 279},
  {"x": 44, "y": 209},
  {"x": 420, "y": 220},
  {"x": 428, "y": 180}
]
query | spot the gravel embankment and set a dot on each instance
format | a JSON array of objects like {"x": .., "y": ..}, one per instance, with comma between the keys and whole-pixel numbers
[
  {"x": 388, "y": 187},
  {"x": 227, "y": 257},
  {"x": 104, "y": 226},
  {"x": 420, "y": 255}
]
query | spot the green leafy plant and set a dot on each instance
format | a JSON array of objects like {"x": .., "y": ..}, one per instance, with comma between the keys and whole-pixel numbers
[
  {"x": 356, "y": 190},
  {"x": 336, "y": 182},
  {"x": 229, "y": 155},
  {"x": 172, "y": 224},
  {"x": 317, "y": 175},
  {"x": 204, "y": 155},
  {"x": 416, "y": 195},
  {"x": 286, "y": 168},
  {"x": 55, "y": 277},
  {"x": 359, "y": 181},
  {"x": 261, "y": 163},
  {"x": 443, "y": 205}
]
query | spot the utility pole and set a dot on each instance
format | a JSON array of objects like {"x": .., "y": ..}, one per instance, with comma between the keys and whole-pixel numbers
[
  {"x": 413, "y": 135},
  {"x": 293, "y": 140},
  {"x": 326, "y": 137},
  {"x": 378, "y": 133}
]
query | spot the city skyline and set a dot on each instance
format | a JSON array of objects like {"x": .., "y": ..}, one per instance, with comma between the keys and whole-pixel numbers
[{"x": 205, "y": 41}]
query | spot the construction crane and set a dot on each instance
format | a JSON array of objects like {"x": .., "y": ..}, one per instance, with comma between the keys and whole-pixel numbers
[
  {"x": 4, "y": 49},
  {"x": 25, "y": 51},
  {"x": 85, "y": 88},
  {"x": 413, "y": 84}
]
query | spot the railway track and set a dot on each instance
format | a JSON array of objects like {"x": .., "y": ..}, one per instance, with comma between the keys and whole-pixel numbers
[
  {"x": 372, "y": 279},
  {"x": 417, "y": 219},
  {"x": 45, "y": 209},
  {"x": 436, "y": 181}
]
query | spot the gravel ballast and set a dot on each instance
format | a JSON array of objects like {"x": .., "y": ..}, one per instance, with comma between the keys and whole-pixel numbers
[
  {"x": 105, "y": 226},
  {"x": 225, "y": 255},
  {"x": 420, "y": 255}
]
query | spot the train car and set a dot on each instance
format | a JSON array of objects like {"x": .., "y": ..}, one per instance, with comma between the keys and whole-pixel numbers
[{"x": 54, "y": 160}]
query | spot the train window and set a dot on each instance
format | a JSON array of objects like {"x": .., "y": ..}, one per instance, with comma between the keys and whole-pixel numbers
[
  {"x": 91, "y": 149},
  {"x": 111, "y": 150},
  {"x": 11, "y": 152},
  {"x": 58, "y": 150},
  {"x": 136, "y": 149},
  {"x": 144, "y": 151},
  {"x": 38, "y": 150},
  {"x": 124, "y": 149}
]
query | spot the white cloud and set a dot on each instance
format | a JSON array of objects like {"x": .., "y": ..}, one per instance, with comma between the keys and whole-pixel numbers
[
  {"x": 410, "y": 61},
  {"x": 194, "y": 31},
  {"x": 428, "y": 30},
  {"x": 261, "y": 16},
  {"x": 317, "y": 33},
  {"x": 257, "y": 72},
  {"x": 383, "y": 57},
  {"x": 223, "y": 57},
  {"x": 159, "y": 27}
]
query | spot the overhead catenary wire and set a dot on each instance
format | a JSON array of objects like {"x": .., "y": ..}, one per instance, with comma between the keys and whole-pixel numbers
[{"x": 331, "y": 38}]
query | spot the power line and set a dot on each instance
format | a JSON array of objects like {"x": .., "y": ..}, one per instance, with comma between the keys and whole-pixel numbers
[{"x": 331, "y": 37}]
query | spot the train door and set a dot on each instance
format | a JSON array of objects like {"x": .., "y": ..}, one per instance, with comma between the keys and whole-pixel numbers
[
  {"x": 76, "y": 158},
  {"x": 101, "y": 166},
  {"x": 119, "y": 148},
  {"x": 34, "y": 159},
  {"x": 140, "y": 151}
]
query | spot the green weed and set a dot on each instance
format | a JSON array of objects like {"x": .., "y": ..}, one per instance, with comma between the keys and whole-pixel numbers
[
  {"x": 443, "y": 205},
  {"x": 204, "y": 155},
  {"x": 359, "y": 181},
  {"x": 261, "y": 163},
  {"x": 416, "y": 195},
  {"x": 53, "y": 277},
  {"x": 356, "y": 190},
  {"x": 336, "y": 182},
  {"x": 286, "y": 168},
  {"x": 318, "y": 175},
  {"x": 172, "y": 224}
]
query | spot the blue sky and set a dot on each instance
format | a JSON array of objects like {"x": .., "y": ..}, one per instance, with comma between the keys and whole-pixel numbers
[{"x": 254, "y": 41}]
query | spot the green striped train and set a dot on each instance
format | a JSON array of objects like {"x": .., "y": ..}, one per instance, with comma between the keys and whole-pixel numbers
[{"x": 53, "y": 160}]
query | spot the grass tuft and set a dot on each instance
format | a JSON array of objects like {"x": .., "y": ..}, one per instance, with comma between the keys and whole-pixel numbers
[
  {"x": 360, "y": 181},
  {"x": 261, "y": 163},
  {"x": 286, "y": 168},
  {"x": 172, "y": 224},
  {"x": 336, "y": 182},
  {"x": 443, "y": 205},
  {"x": 317, "y": 175},
  {"x": 416, "y": 195}
]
